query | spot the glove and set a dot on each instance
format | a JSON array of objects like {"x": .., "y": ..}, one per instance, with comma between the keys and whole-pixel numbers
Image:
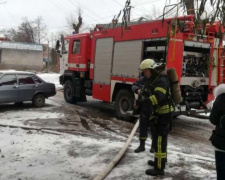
[{"x": 141, "y": 101}]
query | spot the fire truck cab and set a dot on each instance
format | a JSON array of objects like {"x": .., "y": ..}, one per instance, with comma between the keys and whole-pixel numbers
[{"x": 104, "y": 64}]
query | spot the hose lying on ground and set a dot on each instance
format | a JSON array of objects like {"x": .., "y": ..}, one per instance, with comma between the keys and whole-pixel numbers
[{"x": 110, "y": 166}]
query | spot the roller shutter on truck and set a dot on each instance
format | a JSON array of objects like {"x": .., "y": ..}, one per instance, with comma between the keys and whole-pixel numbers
[
  {"x": 127, "y": 58},
  {"x": 103, "y": 60}
]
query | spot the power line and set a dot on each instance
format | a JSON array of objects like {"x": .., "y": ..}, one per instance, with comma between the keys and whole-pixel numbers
[
  {"x": 92, "y": 12},
  {"x": 100, "y": 19},
  {"x": 8, "y": 11},
  {"x": 58, "y": 7},
  {"x": 117, "y": 3},
  {"x": 77, "y": 11},
  {"x": 146, "y": 3}
]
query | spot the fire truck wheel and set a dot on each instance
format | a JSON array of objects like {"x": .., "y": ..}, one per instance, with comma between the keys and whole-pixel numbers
[
  {"x": 123, "y": 103},
  {"x": 68, "y": 92}
]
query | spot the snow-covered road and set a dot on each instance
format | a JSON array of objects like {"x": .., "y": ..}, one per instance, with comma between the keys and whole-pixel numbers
[{"x": 89, "y": 143}]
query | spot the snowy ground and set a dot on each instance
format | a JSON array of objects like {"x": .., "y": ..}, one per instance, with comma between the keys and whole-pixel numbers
[
  {"x": 62, "y": 141},
  {"x": 51, "y": 77}
]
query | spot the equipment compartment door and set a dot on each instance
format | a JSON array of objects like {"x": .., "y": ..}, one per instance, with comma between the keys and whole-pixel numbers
[
  {"x": 103, "y": 61},
  {"x": 127, "y": 58}
]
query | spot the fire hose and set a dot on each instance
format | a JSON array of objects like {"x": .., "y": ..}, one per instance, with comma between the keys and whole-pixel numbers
[{"x": 110, "y": 166}]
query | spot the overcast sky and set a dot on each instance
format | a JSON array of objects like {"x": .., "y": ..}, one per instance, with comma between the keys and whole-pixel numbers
[{"x": 55, "y": 12}]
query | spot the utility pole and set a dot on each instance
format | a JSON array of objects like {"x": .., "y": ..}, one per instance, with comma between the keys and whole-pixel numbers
[{"x": 48, "y": 58}]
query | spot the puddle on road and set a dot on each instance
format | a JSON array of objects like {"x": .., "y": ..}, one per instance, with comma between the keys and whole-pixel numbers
[
  {"x": 47, "y": 123},
  {"x": 85, "y": 124}
]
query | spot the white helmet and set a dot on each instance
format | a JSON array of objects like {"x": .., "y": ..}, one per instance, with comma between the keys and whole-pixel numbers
[{"x": 148, "y": 64}]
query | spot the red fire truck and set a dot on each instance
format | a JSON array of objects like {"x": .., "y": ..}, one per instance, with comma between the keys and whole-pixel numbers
[{"x": 104, "y": 63}]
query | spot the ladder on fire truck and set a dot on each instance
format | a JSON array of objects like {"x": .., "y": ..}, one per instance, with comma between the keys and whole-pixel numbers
[{"x": 221, "y": 64}]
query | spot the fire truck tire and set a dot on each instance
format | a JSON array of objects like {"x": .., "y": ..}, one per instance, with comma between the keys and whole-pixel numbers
[
  {"x": 123, "y": 103},
  {"x": 68, "y": 92}
]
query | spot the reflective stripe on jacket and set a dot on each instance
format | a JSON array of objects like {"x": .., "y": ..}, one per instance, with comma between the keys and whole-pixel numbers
[{"x": 160, "y": 96}]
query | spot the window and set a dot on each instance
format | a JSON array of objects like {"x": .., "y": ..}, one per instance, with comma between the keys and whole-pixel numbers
[
  {"x": 76, "y": 47},
  {"x": 36, "y": 79},
  {"x": 65, "y": 47},
  {"x": 9, "y": 79},
  {"x": 25, "y": 79}
]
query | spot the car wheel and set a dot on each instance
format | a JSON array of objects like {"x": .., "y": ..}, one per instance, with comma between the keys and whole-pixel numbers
[
  {"x": 68, "y": 92},
  {"x": 123, "y": 103},
  {"x": 39, "y": 100}
]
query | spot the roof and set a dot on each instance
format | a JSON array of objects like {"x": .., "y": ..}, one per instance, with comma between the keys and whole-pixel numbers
[
  {"x": 20, "y": 46},
  {"x": 15, "y": 72},
  {"x": 77, "y": 35}
]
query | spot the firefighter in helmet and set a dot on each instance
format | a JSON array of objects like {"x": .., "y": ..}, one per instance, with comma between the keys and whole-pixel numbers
[{"x": 156, "y": 110}]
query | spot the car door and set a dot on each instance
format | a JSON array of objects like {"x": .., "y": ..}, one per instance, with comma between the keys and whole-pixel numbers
[
  {"x": 9, "y": 91},
  {"x": 27, "y": 87}
]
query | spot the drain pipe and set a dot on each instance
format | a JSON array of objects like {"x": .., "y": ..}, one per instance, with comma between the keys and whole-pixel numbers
[{"x": 110, "y": 166}]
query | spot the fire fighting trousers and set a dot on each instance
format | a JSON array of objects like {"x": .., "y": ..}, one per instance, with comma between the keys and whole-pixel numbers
[
  {"x": 145, "y": 113},
  {"x": 162, "y": 130},
  {"x": 160, "y": 151}
]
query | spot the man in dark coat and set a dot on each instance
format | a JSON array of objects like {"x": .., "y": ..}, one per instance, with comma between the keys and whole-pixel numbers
[
  {"x": 217, "y": 117},
  {"x": 154, "y": 104}
]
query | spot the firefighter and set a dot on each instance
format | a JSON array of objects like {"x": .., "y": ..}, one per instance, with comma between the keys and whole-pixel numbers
[
  {"x": 145, "y": 121},
  {"x": 155, "y": 104},
  {"x": 217, "y": 118}
]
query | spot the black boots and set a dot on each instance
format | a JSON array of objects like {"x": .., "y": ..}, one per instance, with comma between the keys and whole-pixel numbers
[
  {"x": 155, "y": 172},
  {"x": 141, "y": 147},
  {"x": 151, "y": 163},
  {"x": 152, "y": 150}
]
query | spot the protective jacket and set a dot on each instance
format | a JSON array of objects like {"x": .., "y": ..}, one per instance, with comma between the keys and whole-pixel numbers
[
  {"x": 158, "y": 94},
  {"x": 217, "y": 117}
]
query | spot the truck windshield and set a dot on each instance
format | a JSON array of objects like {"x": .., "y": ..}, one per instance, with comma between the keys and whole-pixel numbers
[{"x": 65, "y": 47}]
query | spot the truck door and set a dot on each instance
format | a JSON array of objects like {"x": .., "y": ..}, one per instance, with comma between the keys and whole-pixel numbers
[{"x": 75, "y": 55}]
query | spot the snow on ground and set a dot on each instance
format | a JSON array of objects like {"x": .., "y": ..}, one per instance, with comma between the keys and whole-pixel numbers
[
  {"x": 38, "y": 155},
  {"x": 17, "y": 118},
  {"x": 51, "y": 77}
]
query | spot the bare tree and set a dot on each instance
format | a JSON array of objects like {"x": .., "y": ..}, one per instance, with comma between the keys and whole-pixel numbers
[
  {"x": 28, "y": 31},
  {"x": 39, "y": 30},
  {"x": 218, "y": 7},
  {"x": 154, "y": 13},
  {"x": 74, "y": 23},
  {"x": 189, "y": 5},
  {"x": 25, "y": 32}
]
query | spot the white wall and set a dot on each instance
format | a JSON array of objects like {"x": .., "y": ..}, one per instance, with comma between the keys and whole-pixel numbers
[{"x": 22, "y": 59}]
